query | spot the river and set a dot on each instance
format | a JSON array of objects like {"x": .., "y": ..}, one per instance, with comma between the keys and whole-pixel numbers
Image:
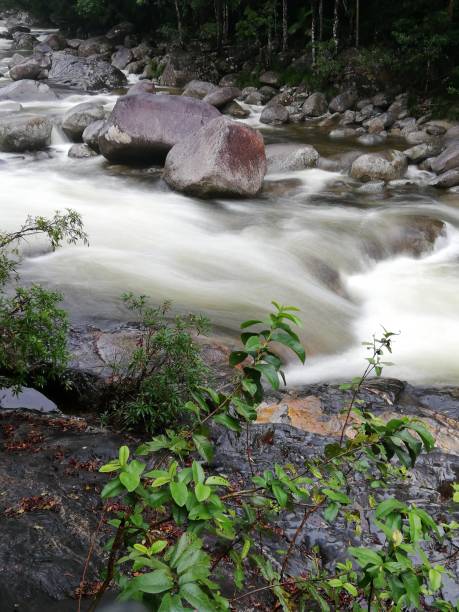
[{"x": 311, "y": 239}]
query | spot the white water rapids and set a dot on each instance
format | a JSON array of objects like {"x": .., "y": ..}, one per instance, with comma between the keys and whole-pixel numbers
[{"x": 311, "y": 239}]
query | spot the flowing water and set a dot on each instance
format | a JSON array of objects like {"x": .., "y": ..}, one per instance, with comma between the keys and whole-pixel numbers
[{"x": 310, "y": 239}]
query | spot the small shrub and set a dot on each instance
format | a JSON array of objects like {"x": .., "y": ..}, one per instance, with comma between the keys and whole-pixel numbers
[{"x": 150, "y": 387}]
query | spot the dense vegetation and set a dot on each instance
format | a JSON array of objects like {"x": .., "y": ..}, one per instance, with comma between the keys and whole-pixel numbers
[{"x": 414, "y": 42}]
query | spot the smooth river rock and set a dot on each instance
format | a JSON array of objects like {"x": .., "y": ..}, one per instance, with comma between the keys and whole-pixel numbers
[
  {"x": 27, "y": 91},
  {"x": 447, "y": 160},
  {"x": 386, "y": 166},
  {"x": 89, "y": 73},
  {"x": 91, "y": 134},
  {"x": 144, "y": 127},
  {"x": 222, "y": 158},
  {"x": 20, "y": 133},
  {"x": 78, "y": 118},
  {"x": 290, "y": 157}
]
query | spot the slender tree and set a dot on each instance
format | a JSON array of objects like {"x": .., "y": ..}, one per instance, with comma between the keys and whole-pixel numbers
[
  {"x": 357, "y": 23},
  {"x": 284, "y": 25},
  {"x": 179, "y": 22},
  {"x": 336, "y": 24},
  {"x": 321, "y": 19}
]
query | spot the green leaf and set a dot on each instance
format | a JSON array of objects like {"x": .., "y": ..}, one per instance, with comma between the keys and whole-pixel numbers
[
  {"x": 350, "y": 588},
  {"x": 160, "y": 481},
  {"x": 253, "y": 344},
  {"x": 270, "y": 373},
  {"x": 284, "y": 338},
  {"x": 112, "y": 488},
  {"x": 227, "y": 421},
  {"x": 198, "y": 472},
  {"x": 110, "y": 467},
  {"x": 336, "y": 496},
  {"x": 218, "y": 481},
  {"x": 196, "y": 597},
  {"x": 331, "y": 512},
  {"x": 130, "y": 480},
  {"x": 202, "y": 491},
  {"x": 204, "y": 447},
  {"x": 250, "y": 323},
  {"x": 388, "y": 506},
  {"x": 245, "y": 410},
  {"x": 154, "y": 582},
  {"x": 435, "y": 578},
  {"x": 424, "y": 434},
  {"x": 335, "y": 583},
  {"x": 123, "y": 455},
  {"x": 237, "y": 357},
  {"x": 411, "y": 584},
  {"x": 179, "y": 493},
  {"x": 366, "y": 556},
  {"x": 279, "y": 494},
  {"x": 158, "y": 546},
  {"x": 249, "y": 386},
  {"x": 171, "y": 603}
]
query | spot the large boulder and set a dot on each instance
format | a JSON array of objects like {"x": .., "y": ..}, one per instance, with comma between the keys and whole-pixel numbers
[
  {"x": 315, "y": 105},
  {"x": 199, "y": 89},
  {"x": 343, "y": 102},
  {"x": 118, "y": 32},
  {"x": 95, "y": 46},
  {"x": 24, "y": 133},
  {"x": 81, "y": 151},
  {"x": 121, "y": 58},
  {"x": 222, "y": 158},
  {"x": 91, "y": 135},
  {"x": 386, "y": 166},
  {"x": 24, "y": 41},
  {"x": 29, "y": 68},
  {"x": 447, "y": 160},
  {"x": 235, "y": 110},
  {"x": 56, "y": 41},
  {"x": 447, "y": 179},
  {"x": 420, "y": 152},
  {"x": 89, "y": 74},
  {"x": 176, "y": 75},
  {"x": 78, "y": 118},
  {"x": 290, "y": 157},
  {"x": 222, "y": 96},
  {"x": 145, "y": 127},
  {"x": 275, "y": 114},
  {"x": 270, "y": 78},
  {"x": 27, "y": 91},
  {"x": 141, "y": 87}
]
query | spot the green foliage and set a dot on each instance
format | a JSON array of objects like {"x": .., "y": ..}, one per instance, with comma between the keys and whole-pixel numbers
[
  {"x": 151, "y": 384},
  {"x": 216, "y": 518},
  {"x": 33, "y": 329}
]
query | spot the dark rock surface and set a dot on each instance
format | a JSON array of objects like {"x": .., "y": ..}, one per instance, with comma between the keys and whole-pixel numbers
[{"x": 88, "y": 74}]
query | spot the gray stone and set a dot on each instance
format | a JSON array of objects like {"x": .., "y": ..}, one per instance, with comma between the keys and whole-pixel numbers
[
  {"x": 447, "y": 179},
  {"x": 78, "y": 118},
  {"x": 274, "y": 115},
  {"x": 290, "y": 157},
  {"x": 88, "y": 74},
  {"x": 316, "y": 105},
  {"x": 91, "y": 135},
  {"x": 371, "y": 140},
  {"x": 56, "y": 41},
  {"x": 199, "y": 89},
  {"x": 340, "y": 133},
  {"x": 255, "y": 98},
  {"x": 270, "y": 78},
  {"x": 387, "y": 166},
  {"x": 422, "y": 151},
  {"x": 95, "y": 46},
  {"x": 118, "y": 32},
  {"x": 235, "y": 110},
  {"x": 222, "y": 158},
  {"x": 31, "y": 68},
  {"x": 435, "y": 130},
  {"x": 81, "y": 151},
  {"x": 447, "y": 160},
  {"x": 372, "y": 187},
  {"x": 343, "y": 102},
  {"x": 417, "y": 137},
  {"x": 27, "y": 91},
  {"x": 222, "y": 96},
  {"x": 121, "y": 58},
  {"x": 380, "y": 100},
  {"x": 20, "y": 133},
  {"x": 145, "y": 127},
  {"x": 142, "y": 87}
]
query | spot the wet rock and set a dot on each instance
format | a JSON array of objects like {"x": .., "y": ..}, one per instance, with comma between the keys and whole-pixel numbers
[
  {"x": 24, "y": 41},
  {"x": 269, "y": 93},
  {"x": 175, "y": 76},
  {"x": 270, "y": 78},
  {"x": 20, "y": 133},
  {"x": 399, "y": 108},
  {"x": 222, "y": 158},
  {"x": 28, "y": 68},
  {"x": 78, "y": 118},
  {"x": 142, "y": 87},
  {"x": 274, "y": 115},
  {"x": 447, "y": 160},
  {"x": 435, "y": 130},
  {"x": 88, "y": 74},
  {"x": 118, "y": 32},
  {"x": 145, "y": 127},
  {"x": 417, "y": 137},
  {"x": 371, "y": 140},
  {"x": 296, "y": 116},
  {"x": 452, "y": 134},
  {"x": 229, "y": 80},
  {"x": 450, "y": 178},
  {"x": 136, "y": 67},
  {"x": 220, "y": 97},
  {"x": 121, "y": 58},
  {"x": 348, "y": 118},
  {"x": 247, "y": 91},
  {"x": 380, "y": 100},
  {"x": 95, "y": 46},
  {"x": 74, "y": 43},
  {"x": 372, "y": 187},
  {"x": 199, "y": 89},
  {"x": 235, "y": 110},
  {"x": 142, "y": 51},
  {"x": 343, "y": 102},
  {"x": 27, "y": 399},
  {"x": 56, "y": 41},
  {"x": 330, "y": 120},
  {"x": 18, "y": 27},
  {"x": 423, "y": 151},
  {"x": 91, "y": 134},
  {"x": 16, "y": 59},
  {"x": 27, "y": 91},
  {"x": 386, "y": 166},
  {"x": 81, "y": 151},
  {"x": 341, "y": 133},
  {"x": 315, "y": 105},
  {"x": 290, "y": 157},
  {"x": 255, "y": 98}
]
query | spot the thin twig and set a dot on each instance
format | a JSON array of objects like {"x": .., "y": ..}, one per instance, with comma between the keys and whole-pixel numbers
[{"x": 88, "y": 558}]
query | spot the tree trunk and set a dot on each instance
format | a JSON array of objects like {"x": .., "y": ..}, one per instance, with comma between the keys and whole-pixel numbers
[
  {"x": 225, "y": 22},
  {"x": 314, "y": 32},
  {"x": 450, "y": 9},
  {"x": 336, "y": 24},
  {"x": 357, "y": 23},
  {"x": 284, "y": 25},
  {"x": 179, "y": 23},
  {"x": 321, "y": 19},
  {"x": 219, "y": 21}
]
